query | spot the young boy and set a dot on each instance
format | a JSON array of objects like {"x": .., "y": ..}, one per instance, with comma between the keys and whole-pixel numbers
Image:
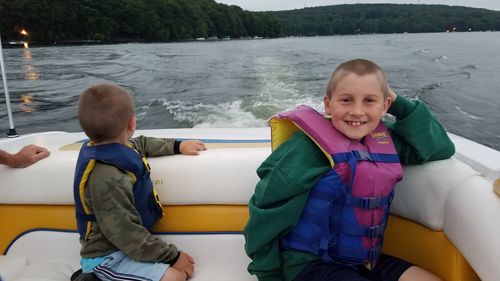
[
  {"x": 116, "y": 204},
  {"x": 320, "y": 209}
]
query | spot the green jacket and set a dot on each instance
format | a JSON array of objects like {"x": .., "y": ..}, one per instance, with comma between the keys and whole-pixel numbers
[
  {"x": 118, "y": 223},
  {"x": 285, "y": 182}
]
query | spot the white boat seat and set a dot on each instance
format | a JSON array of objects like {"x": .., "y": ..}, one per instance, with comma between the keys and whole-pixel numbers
[
  {"x": 53, "y": 256},
  {"x": 448, "y": 197}
]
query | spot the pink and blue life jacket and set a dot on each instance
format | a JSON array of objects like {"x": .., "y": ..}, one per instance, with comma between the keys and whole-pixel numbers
[
  {"x": 346, "y": 213},
  {"x": 126, "y": 159}
]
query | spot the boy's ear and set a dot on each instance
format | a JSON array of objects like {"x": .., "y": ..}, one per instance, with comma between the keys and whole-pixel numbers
[
  {"x": 387, "y": 103},
  {"x": 326, "y": 103},
  {"x": 132, "y": 124}
]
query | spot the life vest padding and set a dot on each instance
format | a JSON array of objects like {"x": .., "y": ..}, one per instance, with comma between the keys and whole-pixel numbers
[
  {"x": 127, "y": 159},
  {"x": 284, "y": 125},
  {"x": 346, "y": 212}
]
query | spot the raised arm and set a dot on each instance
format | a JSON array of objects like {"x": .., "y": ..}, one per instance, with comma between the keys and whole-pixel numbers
[{"x": 417, "y": 134}]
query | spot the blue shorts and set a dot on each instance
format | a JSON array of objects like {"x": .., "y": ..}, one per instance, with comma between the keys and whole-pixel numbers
[
  {"x": 117, "y": 266},
  {"x": 388, "y": 268}
]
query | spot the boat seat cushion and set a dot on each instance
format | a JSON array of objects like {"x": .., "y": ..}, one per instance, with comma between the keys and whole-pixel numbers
[
  {"x": 216, "y": 176},
  {"x": 422, "y": 194},
  {"x": 46, "y": 255},
  {"x": 471, "y": 224}
]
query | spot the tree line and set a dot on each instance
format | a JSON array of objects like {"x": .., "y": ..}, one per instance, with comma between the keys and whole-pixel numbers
[
  {"x": 386, "y": 18},
  {"x": 59, "y": 21},
  {"x": 49, "y": 21}
]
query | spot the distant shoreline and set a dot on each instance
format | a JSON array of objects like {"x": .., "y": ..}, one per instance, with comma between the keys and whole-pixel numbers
[
  {"x": 19, "y": 45},
  {"x": 43, "y": 22}
]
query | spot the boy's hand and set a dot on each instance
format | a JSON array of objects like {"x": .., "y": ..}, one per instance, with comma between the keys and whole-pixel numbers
[
  {"x": 191, "y": 147},
  {"x": 185, "y": 264}
]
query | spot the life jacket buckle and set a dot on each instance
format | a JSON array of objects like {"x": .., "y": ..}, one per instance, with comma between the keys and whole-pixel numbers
[
  {"x": 371, "y": 202},
  {"x": 362, "y": 155},
  {"x": 375, "y": 231},
  {"x": 374, "y": 253}
]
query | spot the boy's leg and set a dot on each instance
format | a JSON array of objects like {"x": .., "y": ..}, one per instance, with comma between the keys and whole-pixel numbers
[
  {"x": 173, "y": 274},
  {"x": 391, "y": 268},
  {"x": 416, "y": 273},
  {"x": 117, "y": 266},
  {"x": 322, "y": 271},
  {"x": 80, "y": 276}
]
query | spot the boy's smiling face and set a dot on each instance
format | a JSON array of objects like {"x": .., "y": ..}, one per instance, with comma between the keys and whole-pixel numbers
[{"x": 357, "y": 104}]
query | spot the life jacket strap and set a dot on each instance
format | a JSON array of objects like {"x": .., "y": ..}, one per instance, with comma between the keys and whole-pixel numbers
[
  {"x": 370, "y": 202},
  {"x": 361, "y": 155},
  {"x": 374, "y": 231},
  {"x": 85, "y": 217}
]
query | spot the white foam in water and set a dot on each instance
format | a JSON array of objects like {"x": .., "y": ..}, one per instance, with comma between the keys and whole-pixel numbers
[
  {"x": 468, "y": 114},
  {"x": 201, "y": 115},
  {"x": 231, "y": 114},
  {"x": 276, "y": 91}
]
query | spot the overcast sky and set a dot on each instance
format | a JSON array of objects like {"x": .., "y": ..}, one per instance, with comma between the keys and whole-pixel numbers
[{"x": 274, "y": 5}]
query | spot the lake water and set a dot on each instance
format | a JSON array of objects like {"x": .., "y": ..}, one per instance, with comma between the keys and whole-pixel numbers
[{"x": 240, "y": 83}]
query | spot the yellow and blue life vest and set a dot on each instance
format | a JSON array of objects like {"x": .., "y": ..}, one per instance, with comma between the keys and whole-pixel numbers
[{"x": 126, "y": 159}]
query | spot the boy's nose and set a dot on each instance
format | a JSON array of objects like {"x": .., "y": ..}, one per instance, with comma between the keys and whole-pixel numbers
[{"x": 356, "y": 109}]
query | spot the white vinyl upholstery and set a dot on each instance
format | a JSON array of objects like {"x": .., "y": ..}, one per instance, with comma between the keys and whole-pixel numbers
[
  {"x": 472, "y": 223},
  {"x": 228, "y": 174},
  {"x": 422, "y": 193},
  {"x": 445, "y": 195},
  {"x": 53, "y": 256},
  {"x": 217, "y": 176}
]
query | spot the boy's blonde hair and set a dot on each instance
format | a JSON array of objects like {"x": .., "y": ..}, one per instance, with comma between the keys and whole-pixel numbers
[
  {"x": 358, "y": 67},
  {"x": 104, "y": 111}
]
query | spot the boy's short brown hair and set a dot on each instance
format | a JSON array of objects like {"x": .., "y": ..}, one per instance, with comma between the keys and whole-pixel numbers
[
  {"x": 104, "y": 111},
  {"x": 359, "y": 67}
]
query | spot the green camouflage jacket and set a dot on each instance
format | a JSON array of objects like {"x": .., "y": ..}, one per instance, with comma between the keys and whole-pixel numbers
[{"x": 118, "y": 224}]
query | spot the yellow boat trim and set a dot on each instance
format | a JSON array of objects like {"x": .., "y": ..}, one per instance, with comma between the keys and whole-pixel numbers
[
  {"x": 183, "y": 218},
  {"x": 426, "y": 248},
  {"x": 403, "y": 238}
]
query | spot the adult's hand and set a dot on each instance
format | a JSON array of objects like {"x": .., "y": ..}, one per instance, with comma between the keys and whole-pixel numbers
[{"x": 27, "y": 156}]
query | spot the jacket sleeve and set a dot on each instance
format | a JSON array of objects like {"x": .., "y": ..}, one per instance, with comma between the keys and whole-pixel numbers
[
  {"x": 150, "y": 147},
  {"x": 112, "y": 201},
  {"x": 278, "y": 201},
  {"x": 417, "y": 134}
]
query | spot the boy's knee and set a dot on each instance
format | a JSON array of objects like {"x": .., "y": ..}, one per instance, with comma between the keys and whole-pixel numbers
[
  {"x": 416, "y": 273},
  {"x": 173, "y": 274}
]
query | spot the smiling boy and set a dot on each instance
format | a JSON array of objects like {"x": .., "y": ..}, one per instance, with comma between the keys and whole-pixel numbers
[{"x": 320, "y": 209}]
